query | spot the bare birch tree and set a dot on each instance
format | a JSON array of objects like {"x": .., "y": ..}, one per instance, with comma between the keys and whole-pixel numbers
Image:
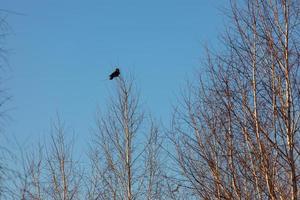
[
  {"x": 237, "y": 132},
  {"x": 5, "y": 97},
  {"x": 125, "y": 155},
  {"x": 5, "y": 30},
  {"x": 50, "y": 172}
]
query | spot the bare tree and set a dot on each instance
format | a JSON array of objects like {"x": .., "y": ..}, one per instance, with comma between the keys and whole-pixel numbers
[
  {"x": 5, "y": 154},
  {"x": 237, "y": 132},
  {"x": 48, "y": 173},
  {"x": 125, "y": 161},
  {"x": 65, "y": 172},
  {"x": 5, "y": 30}
]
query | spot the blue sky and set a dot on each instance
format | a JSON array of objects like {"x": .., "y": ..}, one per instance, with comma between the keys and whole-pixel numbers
[{"x": 61, "y": 52}]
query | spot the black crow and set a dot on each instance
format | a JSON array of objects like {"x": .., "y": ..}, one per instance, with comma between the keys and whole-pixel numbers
[{"x": 115, "y": 74}]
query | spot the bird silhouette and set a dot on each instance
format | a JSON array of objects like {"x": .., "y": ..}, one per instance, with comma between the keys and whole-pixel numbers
[{"x": 115, "y": 74}]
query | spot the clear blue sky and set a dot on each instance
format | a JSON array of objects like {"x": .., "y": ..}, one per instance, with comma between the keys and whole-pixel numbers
[{"x": 62, "y": 50}]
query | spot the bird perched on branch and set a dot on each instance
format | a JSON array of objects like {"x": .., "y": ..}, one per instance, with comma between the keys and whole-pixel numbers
[{"x": 115, "y": 74}]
